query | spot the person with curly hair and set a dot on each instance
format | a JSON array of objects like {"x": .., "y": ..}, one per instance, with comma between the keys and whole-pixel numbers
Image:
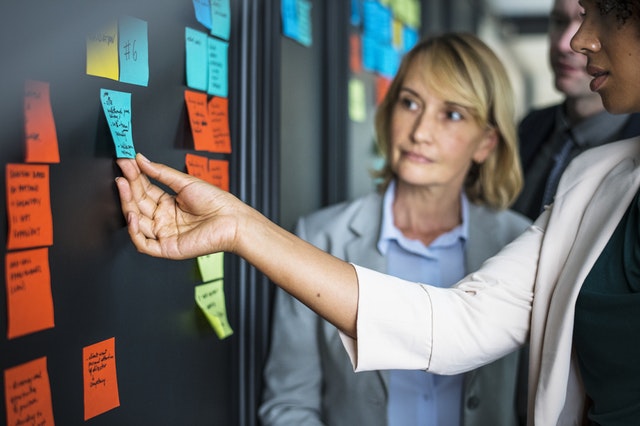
[
  {"x": 569, "y": 285},
  {"x": 550, "y": 137}
]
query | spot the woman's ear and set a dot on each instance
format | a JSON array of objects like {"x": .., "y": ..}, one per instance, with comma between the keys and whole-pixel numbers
[{"x": 486, "y": 146}]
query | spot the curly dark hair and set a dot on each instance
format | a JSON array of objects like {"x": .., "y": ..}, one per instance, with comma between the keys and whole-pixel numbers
[{"x": 624, "y": 9}]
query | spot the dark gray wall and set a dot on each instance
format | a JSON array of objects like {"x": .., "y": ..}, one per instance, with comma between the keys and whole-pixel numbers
[{"x": 172, "y": 368}]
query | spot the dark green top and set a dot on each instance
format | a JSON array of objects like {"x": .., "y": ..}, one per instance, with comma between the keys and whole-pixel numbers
[{"x": 607, "y": 327}]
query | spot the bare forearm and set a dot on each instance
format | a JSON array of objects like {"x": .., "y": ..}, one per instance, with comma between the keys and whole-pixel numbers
[{"x": 325, "y": 283}]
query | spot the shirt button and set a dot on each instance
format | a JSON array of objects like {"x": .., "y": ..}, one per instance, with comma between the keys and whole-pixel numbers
[{"x": 473, "y": 403}]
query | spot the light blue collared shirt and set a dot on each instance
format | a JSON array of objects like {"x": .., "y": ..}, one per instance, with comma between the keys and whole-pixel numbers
[{"x": 417, "y": 397}]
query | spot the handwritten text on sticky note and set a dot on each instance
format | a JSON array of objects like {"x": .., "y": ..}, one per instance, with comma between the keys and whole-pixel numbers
[
  {"x": 117, "y": 110},
  {"x": 210, "y": 299},
  {"x": 29, "y": 301},
  {"x": 40, "y": 128},
  {"x": 28, "y": 394},
  {"x": 28, "y": 206},
  {"x": 100, "y": 379}
]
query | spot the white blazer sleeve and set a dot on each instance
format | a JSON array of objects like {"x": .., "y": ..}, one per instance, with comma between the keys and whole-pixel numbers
[{"x": 402, "y": 325}]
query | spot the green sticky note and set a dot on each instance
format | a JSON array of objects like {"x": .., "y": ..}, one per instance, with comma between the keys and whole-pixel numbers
[
  {"x": 210, "y": 299},
  {"x": 211, "y": 266},
  {"x": 357, "y": 101}
]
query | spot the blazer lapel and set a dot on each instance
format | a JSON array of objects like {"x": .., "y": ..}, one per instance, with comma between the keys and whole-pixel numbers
[
  {"x": 365, "y": 226},
  {"x": 615, "y": 193}
]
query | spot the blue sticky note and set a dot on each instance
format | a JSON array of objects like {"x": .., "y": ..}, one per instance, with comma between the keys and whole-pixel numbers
[
  {"x": 370, "y": 54},
  {"x": 202, "y": 9},
  {"x": 296, "y": 20},
  {"x": 196, "y": 48},
  {"x": 410, "y": 38},
  {"x": 390, "y": 61},
  {"x": 220, "y": 19},
  {"x": 217, "y": 59},
  {"x": 117, "y": 110},
  {"x": 134, "y": 51},
  {"x": 377, "y": 21},
  {"x": 304, "y": 22},
  {"x": 356, "y": 12},
  {"x": 289, "y": 14}
]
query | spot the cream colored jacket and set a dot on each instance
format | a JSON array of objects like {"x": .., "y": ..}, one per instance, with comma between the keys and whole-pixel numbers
[{"x": 526, "y": 292}]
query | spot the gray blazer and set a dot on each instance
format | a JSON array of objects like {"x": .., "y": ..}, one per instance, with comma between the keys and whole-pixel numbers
[{"x": 309, "y": 379}]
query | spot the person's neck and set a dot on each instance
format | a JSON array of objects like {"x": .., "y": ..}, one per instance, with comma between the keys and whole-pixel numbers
[
  {"x": 423, "y": 214},
  {"x": 581, "y": 108}
]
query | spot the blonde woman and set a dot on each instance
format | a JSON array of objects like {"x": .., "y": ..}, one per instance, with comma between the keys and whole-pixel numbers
[{"x": 447, "y": 132}]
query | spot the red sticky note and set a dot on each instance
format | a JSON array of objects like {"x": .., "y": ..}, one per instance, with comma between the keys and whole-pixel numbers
[
  {"x": 29, "y": 301},
  {"x": 28, "y": 394},
  {"x": 40, "y": 127},
  {"x": 28, "y": 206},
  {"x": 355, "y": 53},
  {"x": 198, "y": 166},
  {"x": 219, "y": 173},
  {"x": 219, "y": 120},
  {"x": 199, "y": 120},
  {"x": 382, "y": 86},
  {"x": 100, "y": 379}
]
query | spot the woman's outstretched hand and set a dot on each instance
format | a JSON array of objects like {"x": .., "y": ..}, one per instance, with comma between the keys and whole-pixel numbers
[{"x": 197, "y": 219}]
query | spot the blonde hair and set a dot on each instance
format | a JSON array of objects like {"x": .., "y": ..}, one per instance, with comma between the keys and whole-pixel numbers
[{"x": 461, "y": 68}]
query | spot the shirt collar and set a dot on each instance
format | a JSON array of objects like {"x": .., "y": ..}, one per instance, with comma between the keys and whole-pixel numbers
[
  {"x": 389, "y": 232},
  {"x": 594, "y": 131}
]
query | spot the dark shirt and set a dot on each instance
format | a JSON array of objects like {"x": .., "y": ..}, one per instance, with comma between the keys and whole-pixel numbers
[
  {"x": 597, "y": 130},
  {"x": 607, "y": 327}
]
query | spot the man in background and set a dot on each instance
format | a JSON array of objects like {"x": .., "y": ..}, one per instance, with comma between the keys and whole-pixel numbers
[{"x": 551, "y": 137}]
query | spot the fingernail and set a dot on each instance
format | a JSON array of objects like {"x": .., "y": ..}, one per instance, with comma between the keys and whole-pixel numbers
[
  {"x": 129, "y": 217},
  {"x": 143, "y": 158}
]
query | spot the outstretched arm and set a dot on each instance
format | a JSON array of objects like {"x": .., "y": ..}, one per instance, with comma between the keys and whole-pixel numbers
[{"x": 200, "y": 219}]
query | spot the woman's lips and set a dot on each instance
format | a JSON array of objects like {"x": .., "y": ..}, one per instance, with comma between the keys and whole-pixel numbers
[
  {"x": 416, "y": 157},
  {"x": 599, "y": 77}
]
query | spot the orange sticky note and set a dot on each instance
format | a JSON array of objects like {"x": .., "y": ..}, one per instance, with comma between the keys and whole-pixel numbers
[
  {"x": 40, "y": 128},
  {"x": 198, "y": 166},
  {"x": 355, "y": 53},
  {"x": 219, "y": 172},
  {"x": 28, "y": 394},
  {"x": 100, "y": 379},
  {"x": 219, "y": 120},
  {"x": 29, "y": 301},
  {"x": 28, "y": 206},
  {"x": 199, "y": 120},
  {"x": 382, "y": 86}
]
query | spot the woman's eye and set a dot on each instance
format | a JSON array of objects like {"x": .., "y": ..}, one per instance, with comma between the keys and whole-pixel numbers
[
  {"x": 454, "y": 115},
  {"x": 409, "y": 104}
]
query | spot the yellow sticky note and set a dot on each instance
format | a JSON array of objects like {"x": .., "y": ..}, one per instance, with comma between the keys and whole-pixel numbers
[
  {"x": 210, "y": 299},
  {"x": 357, "y": 103},
  {"x": 102, "y": 52},
  {"x": 397, "y": 32},
  {"x": 211, "y": 266}
]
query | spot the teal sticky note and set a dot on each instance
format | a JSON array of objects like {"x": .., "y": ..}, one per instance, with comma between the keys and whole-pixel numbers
[
  {"x": 134, "y": 51},
  {"x": 220, "y": 19},
  {"x": 304, "y": 22},
  {"x": 296, "y": 20},
  {"x": 196, "y": 48},
  {"x": 217, "y": 59},
  {"x": 117, "y": 110},
  {"x": 202, "y": 9}
]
